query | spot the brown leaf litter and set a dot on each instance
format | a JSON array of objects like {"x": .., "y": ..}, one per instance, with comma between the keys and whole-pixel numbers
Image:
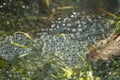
[{"x": 105, "y": 49}]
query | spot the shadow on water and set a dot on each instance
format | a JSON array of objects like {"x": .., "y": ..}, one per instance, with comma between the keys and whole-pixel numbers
[{"x": 30, "y": 15}]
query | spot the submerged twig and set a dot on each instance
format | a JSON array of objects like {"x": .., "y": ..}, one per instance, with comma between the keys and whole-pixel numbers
[{"x": 105, "y": 50}]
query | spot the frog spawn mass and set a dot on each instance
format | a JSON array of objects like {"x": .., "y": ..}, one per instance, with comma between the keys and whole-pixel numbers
[
  {"x": 70, "y": 36},
  {"x": 66, "y": 37},
  {"x": 11, "y": 46}
]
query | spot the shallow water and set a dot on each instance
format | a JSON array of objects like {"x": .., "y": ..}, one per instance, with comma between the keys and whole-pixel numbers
[{"x": 66, "y": 38}]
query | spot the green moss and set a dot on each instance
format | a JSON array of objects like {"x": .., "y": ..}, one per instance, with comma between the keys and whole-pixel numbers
[{"x": 3, "y": 63}]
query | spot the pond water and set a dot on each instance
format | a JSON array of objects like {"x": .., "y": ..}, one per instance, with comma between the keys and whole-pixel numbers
[{"x": 66, "y": 37}]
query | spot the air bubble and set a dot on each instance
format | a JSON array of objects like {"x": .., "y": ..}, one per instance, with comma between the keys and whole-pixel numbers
[
  {"x": 73, "y": 30},
  {"x": 23, "y": 6},
  {"x": 72, "y": 16},
  {"x": 1, "y": 6}
]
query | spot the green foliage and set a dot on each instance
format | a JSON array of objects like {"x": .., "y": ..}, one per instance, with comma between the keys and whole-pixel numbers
[
  {"x": 3, "y": 63},
  {"x": 116, "y": 23},
  {"x": 117, "y": 27},
  {"x": 107, "y": 69},
  {"x": 78, "y": 72}
]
